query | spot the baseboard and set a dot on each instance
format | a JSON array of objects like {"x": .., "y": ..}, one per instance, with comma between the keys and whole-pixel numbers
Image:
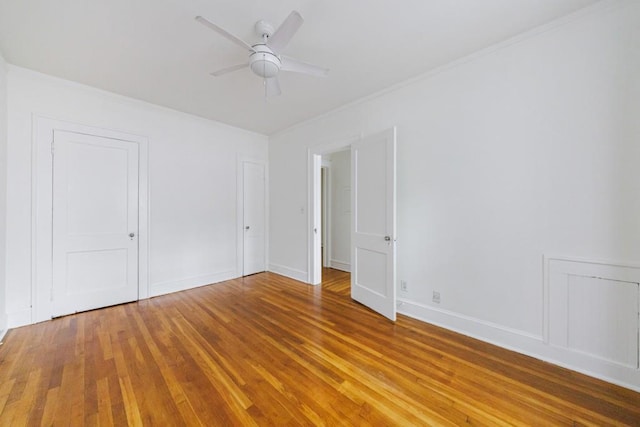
[
  {"x": 19, "y": 318},
  {"x": 168, "y": 287},
  {"x": 291, "y": 273},
  {"x": 339, "y": 265},
  {"x": 470, "y": 326},
  {"x": 522, "y": 342},
  {"x": 3, "y": 332}
]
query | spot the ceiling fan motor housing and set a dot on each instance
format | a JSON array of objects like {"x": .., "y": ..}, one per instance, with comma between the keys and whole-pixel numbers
[{"x": 264, "y": 62}]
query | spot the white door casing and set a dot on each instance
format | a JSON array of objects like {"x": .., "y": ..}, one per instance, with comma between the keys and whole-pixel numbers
[
  {"x": 42, "y": 212},
  {"x": 325, "y": 223},
  {"x": 95, "y": 222},
  {"x": 373, "y": 222},
  {"x": 253, "y": 202}
]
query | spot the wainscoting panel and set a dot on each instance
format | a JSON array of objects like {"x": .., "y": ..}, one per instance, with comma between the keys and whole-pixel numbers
[{"x": 593, "y": 310}]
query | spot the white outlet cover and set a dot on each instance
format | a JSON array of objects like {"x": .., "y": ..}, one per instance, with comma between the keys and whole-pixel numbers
[{"x": 436, "y": 297}]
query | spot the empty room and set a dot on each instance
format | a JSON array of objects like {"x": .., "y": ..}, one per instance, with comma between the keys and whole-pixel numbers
[{"x": 305, "y": 212}]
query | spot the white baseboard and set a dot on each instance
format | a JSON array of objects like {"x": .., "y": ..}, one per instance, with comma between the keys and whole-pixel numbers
[
  {"x": 19, "y": 318},
  {"x": 291, "y": 273},
  {"x": 340, "y": 265},
  {"x": 492, "y": 333},
  {"x": 168, "y": 287},
  {"x": 2, "y": 334},
  {"x": 522, "y": 342}
]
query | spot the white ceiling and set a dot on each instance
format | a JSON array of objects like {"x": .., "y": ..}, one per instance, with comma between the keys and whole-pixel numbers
[{"x": 155, "y": 51}]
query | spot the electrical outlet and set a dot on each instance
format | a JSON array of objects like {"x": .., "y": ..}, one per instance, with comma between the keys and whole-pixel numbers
[
  {"x": 403, "y": 285},
  {"x": 436, "y": 297}
]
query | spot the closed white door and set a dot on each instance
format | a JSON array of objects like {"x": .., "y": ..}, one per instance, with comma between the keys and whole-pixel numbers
[
  {"x": 253, "y": 197},
  {"x": 95, "y": 222},
  {"x": 373, "y": 230}
]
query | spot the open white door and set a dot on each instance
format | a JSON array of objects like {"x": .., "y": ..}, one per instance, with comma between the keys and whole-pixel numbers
[
  {"x": 95, "y": 222},
  {"x": 373, "y": 223}
]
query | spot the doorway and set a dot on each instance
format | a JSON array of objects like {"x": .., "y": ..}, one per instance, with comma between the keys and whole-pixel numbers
[
  {"x": 90, "y": 142},
  {"x": 373, "y": 219},
  {"x": 336, "y": 210},
  {"x": 319, "y": 160}
]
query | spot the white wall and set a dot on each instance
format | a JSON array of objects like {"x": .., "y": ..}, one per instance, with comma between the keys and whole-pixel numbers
[
  {"x": 341, "y": 210},
  {"x": 192, "y": 179},
  {"x": 525, "y": 149},
  {"x": 3, "y": 193}
]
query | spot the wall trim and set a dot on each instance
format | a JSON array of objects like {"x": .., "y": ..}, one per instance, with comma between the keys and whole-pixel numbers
[
  {"x": 170, "y": 286},
  {"x": 291, "y": 273},
  {"x": 547, "y": 259},
  {"x": 519, "y": 341},
  {"x": 41, "y": 208},
  {"x": 341, "y": 265},
  {"x": 472, "y": 326},
  {"x": 326, "y": 206}
]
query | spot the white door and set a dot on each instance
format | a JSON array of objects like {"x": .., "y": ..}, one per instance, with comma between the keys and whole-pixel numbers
[
  {"x": 373, "y": 226},
  {"x": 95, "y": 222},
  {"x": 253, "y": 200}
]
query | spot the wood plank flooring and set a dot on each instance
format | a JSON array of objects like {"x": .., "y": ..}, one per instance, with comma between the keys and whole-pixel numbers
[{"x": 266, "y": 350}]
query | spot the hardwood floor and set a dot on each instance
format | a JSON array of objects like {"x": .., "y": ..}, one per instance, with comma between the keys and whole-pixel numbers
[{"x": 266, "y": 350}]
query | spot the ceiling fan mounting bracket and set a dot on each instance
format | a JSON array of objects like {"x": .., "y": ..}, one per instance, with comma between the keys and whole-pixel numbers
[{"x": 263, "y": 28}]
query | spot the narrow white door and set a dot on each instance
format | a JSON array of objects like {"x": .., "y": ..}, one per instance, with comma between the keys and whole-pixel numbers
[
  {"x": 373, "y": 226},
  {"x": 95, "y": 222},
  {"x": 253, "y": 218}
]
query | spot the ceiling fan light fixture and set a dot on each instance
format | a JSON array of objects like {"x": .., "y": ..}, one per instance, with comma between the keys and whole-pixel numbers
[{"x": 264, "y": 62}]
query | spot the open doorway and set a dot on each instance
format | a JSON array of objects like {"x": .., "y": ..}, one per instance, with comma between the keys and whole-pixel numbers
[
  {"x": 334, "y": 230},
  {"x": 329, "y": 209},
  {"x": 371, "y": 192},
  {"x": 336, "y": 209}
]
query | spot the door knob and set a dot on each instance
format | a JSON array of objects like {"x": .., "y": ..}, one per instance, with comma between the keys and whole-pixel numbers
[
  {"x": 246, "y": 228},
  {"x": 132, "y": 235},
  {"x": 387, "y": 238}
]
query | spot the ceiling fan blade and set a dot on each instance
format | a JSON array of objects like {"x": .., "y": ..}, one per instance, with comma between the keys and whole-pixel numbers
[
  {"x": 272, "y": 87},
  {"x": 290, "y": 64},
  {"x": 280, "y": 39},
  {"x": 226, "y": 70},
  {"x": 224, "y": 33}
]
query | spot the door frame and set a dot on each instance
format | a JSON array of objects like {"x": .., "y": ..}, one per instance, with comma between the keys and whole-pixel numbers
[
  {"x": 314, "y": 204},
  {"x": 325, "y": 226},
  {"x": 42, "y": 208},
  {"x": 240, "y": 211}
]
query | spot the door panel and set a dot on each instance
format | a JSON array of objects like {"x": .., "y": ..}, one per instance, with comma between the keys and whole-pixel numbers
[
  {"x": 602, "y": 319},
  {"x": 93, "y": 271},
  {"x": 373, "y": 227},
  {"x": 371, "y": 174},
  {"x": 371, "y": 268},
  {"x": 95, "y": 208},
  {"x": 253, "y": 218}
]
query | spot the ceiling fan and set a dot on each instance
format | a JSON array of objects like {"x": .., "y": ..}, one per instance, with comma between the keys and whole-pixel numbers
[{"x": 265, "y": 58}]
